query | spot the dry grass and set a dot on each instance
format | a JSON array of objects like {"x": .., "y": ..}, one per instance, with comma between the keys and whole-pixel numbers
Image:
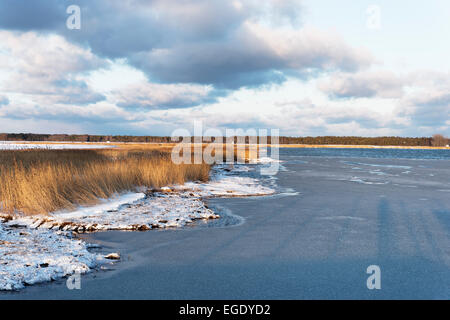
[{"x": 42, "y": 181}]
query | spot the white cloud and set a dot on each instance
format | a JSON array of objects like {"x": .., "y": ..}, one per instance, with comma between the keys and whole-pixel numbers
[
  {"x": 241, "y": 63},
  {"x": 162, "y": 96},
  {"x": 47, "y": 67}
]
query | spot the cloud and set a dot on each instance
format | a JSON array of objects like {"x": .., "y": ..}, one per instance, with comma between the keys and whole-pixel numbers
[
  {"x": 254, "y": 55},
  {"x": 163, "y": 96},
  {"x": 228, "y": 44},
  {"x": 192, "y": 56},
  {"x": 426, "y": 107},
  {"x": 381, "y": 84},
  {"x": 4, "y": 100},
  {"x": 95, "y": 114},
  {"x": 429, "y": 109},
  {"x": 27, "y": 15},
  {"x": 301, "y": 117},
  {"x": 308, "y": 117},
  {"x": 51, "y": 72}
]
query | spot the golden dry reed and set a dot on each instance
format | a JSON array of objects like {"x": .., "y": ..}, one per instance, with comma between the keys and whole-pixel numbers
[{"x": 43, "y": 181}]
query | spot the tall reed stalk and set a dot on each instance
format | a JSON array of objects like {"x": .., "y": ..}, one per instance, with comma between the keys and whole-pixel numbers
[{"x": 43, "y": 181}]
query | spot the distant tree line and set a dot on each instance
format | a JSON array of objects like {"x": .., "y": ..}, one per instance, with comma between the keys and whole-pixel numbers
[
  {"x": 436, "y": 140},
  {"x": 79, "y": 138},
  {"x": 376, "y": 141}
]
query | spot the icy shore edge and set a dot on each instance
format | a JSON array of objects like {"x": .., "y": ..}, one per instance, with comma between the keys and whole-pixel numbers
[{"x": 41, "y": 248}]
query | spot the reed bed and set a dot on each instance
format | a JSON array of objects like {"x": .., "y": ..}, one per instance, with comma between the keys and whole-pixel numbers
[{"x": 43, "y": 181}]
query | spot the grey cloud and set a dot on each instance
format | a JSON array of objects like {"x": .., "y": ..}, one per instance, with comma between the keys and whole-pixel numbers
[
  {"x": 65, "y": 113},
  {"x": 428, "y": 105},
  {"x": 27, "y": 15},
  {"x": 363, "y": 121},
  {"x": 428, "y": 109},
  {"x": 250, "y": 57},
  {"x": 224, "y": 65},
  {"x": 55, "y": 92},
  {"x": 440, "y": 99},
  {"x": 203, "y": 41},
  {"x": 364, "y": 85},
  {"x": 164, "y": 96}
]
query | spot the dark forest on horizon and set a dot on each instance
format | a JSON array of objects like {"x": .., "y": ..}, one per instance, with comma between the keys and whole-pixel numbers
[{"x": 436, "y": 140}]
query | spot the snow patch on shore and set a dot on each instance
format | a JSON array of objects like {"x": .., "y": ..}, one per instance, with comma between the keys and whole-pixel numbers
[
  {"x": 107, "y": 205},
  {"x": 33, "y": 256},
  {"x": 133, "y": 211},
  {"x": 50, "y": 146},
  {"x": 226, "y": 181},
  {"x": 228, "y": 186}
]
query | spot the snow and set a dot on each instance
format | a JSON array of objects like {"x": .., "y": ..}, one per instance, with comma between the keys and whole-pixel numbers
[
  {"x": 113, "y": 256},
  {"x": 39, "y": 248},
  {"x": 133, "y": 211},
  {"x": 227, "y": 182},
  {"x": 32, "y": 256},
  {"x": 49, "y": 146},
  {"x": 233, "y": 186},
  {"x": 267, "y": 160},
  {"x": 367, "y": 181},
  {"x": 108, "y": 205}
]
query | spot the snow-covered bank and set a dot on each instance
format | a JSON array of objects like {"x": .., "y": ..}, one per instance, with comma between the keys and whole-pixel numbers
[
  {"x": 228, "y": 186},
  {"x": 176, "y": 206},
  {"x": 50, "y": 146},
  {"x": 132, "y": 211},
  {"x": 30, "y": 256},
  {"x": 35, "y": 249}
]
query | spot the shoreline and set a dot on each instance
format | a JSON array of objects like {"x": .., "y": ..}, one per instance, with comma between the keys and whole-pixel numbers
[
  {"x": 171, "y": 208},
  {"x": 338, "y": 146},
  {"x": 172, "y": 144}
]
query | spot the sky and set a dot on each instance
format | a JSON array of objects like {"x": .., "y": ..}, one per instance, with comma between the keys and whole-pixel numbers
[{"x": 149, "y": 67}]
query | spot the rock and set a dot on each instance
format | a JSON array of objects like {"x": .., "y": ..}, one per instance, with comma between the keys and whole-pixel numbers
[
  {"x": 152, "y": 191},
  {"x": 142, "y": 227},
  {"x": 113, "y": 256},
  {"x": 37, "y": 223},
  {"x": 46, "y": 225},
  {"x": 92, "y": 246}
]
